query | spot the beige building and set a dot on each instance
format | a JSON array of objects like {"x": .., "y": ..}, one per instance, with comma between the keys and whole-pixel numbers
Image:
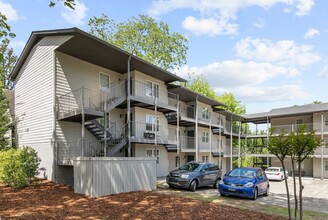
[
  {"x": 314, "y": 116},
  {"x": 76, "y": 95}
]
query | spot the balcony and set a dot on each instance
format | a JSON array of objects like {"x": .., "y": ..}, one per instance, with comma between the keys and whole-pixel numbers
[
  {"x": 144, "y": 96},
  {"x": 147, "y": 133},
  {"x": 72, "y": 104}
]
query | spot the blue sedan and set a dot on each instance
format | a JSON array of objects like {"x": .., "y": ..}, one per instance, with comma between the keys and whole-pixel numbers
[{"x": 245, "y": 182}]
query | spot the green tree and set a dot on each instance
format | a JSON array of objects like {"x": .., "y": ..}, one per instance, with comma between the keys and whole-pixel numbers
[
  {"x": 280, "y": 146},
  {"x": 303, "y": 143},
  {"x": 233, "y": 105},
  {"x": 200, "y": 84},
  {"x": 68, "y": 3},
  {"x": 143, "y": 37}
]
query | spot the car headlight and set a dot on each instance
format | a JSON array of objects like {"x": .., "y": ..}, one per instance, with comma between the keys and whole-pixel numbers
[
  {"x": 185, "y": 176},
  {"x": 250, "y": 184}
]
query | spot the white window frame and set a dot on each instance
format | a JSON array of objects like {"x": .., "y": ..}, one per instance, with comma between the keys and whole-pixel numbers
[
  {"x": 325, "y": 142},
  {"x": 100, "y": 86},
  {"x": 153, "y": 121},
  {"x": 152, "y": 150},
  {"x": 204, "y": 158},
  {"x": 153, "y": 91},
  {"x": 298, "y": 120},
  {"x": 205, "y": 113},
  {"x": 205, "y": 137}
]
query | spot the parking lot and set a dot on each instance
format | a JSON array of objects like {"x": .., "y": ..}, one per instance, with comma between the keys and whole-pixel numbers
[{"x": 315, "y": 194}]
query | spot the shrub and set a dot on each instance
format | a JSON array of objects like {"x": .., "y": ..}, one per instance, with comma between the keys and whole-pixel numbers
[{"x": 18, "y": 166}]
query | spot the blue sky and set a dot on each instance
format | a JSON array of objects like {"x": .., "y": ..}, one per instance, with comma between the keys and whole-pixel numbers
[{"x": 268, "y": 53}]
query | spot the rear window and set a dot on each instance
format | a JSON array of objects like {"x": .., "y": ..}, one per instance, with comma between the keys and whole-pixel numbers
[
  {"x": 273, "y": 170},
  {"x": 190, "y": 166}
]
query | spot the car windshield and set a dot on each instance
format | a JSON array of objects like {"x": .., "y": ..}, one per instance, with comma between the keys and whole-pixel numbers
[
  {"x": 190, "y": 166},
  {"x": 273, "y": 170},
  {"x": 242, "y": 172}
]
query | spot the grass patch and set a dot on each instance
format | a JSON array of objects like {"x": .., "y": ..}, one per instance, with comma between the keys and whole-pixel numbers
[{"x": 239, "y": 203}]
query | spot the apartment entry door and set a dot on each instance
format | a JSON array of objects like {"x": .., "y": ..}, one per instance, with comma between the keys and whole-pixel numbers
[
  {"x": 190, "y": 158},
  {"x": 191, "y": 140}
]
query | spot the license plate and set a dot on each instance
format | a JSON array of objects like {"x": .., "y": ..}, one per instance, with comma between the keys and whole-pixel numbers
[{"x": 232, "y": 190}]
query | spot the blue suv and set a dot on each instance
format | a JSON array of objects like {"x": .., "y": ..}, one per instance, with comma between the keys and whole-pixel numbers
[{"x": 193, "y": 175}]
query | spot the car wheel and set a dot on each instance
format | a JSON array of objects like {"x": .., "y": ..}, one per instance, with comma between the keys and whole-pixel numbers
[
  {"x": 256, "y": 193},
  {"x": 223, "y": 195},
  {"x": 193, "y": 186},
  {"x": 170, "y": 186},
  {"x": 215, "y": 185},
  {"x": 267, "y": 191}
]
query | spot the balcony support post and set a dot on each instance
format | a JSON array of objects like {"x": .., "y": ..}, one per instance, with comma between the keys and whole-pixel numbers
[
  {"x": 83, "y": 118},
  {"x": 239, "y": 141},
  {"x": 129, "y": 107},
  {"x": 196, "y": 128},
  {"x": 267, "y": 142},
  {"x": 220, "y": 142},
  {"x": 210, "y": 137},
  {"x": 156, "y": 127},
  {"x": 231, "y": 153},
  {"x": 322, "y": 146},
  {"x": 178, "y": 126}
]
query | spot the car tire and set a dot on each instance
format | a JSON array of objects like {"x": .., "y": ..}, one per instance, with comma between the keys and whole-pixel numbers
[
  {"x": 193, "y": 186},
  {"x": 256, "y": 193},
  {"x": 170, "y": 186},
  {"x": 216, "y": 183},
  {"x": 267, "y": 191},
  {"x": 223, "y": 195}
]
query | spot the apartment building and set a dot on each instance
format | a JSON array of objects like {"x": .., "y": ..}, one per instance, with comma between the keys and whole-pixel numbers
[
  {"x": 314, "y": 116},
  {"x": 76, "y": 95}
]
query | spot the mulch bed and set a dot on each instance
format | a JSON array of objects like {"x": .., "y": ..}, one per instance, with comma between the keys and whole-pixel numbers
[{"x": 58, "y": 201}]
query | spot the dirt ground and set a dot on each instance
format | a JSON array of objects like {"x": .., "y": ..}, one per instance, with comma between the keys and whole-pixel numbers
[{"x": 58, "y": 201}]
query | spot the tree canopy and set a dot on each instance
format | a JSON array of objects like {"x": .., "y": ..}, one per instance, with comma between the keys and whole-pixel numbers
[
  {"x": 199, "y": 83},
  {"x": 143, "y": 37}
]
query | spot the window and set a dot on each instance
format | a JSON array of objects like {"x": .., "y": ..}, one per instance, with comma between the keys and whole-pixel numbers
[
  {"x": 299, "y": 121},
  {"x": 177, "y": 161},
  {"x": 325, "y": 142},
  {"x": 103, "y": 81},
  {"x": 205, "y": 113},
  {"x": 205, "y": 158},
  {"x": 326, "y": 120},
  {"x": 302, "y": 166},
  {"x": 152, "y": 123},
  {"x": 152, "y": 89},
  {"x": 152, "y": 153},
  {"x": 326, "y": 165},
  {"x": 205, "y": 137}
]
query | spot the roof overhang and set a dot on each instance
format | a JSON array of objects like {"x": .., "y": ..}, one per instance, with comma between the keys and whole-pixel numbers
[
  {"x": 187, "y": 95},
  {"x": 91, "y": 49}
]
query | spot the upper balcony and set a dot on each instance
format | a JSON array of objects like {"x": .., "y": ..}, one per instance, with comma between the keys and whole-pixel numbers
[
  {"x": 72, "y": 104},
  {"x": 149, "y": 133},
  {"x": 149, "y": 96}
]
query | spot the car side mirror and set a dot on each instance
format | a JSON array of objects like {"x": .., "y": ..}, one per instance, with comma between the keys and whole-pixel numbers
[{"x": 225, "y": 175}]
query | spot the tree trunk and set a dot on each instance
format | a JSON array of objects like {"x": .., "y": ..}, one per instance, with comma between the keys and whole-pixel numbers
[
  {"x": 300, "y": 190},
  {"x": 295, "y": 194},
  {"x": 287, "y": 190}
]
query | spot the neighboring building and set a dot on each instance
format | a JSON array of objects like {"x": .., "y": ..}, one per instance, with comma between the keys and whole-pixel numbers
[
  {"x": 73, "y": 98},
  {"x": 314, "y": 116}
]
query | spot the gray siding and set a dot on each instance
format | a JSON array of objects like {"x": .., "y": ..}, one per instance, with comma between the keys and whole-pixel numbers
[
  {"x": 34, "y": 92},
  {"x": 106, "y": 176}
]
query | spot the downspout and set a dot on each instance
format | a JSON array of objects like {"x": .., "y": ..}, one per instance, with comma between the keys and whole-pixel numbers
[
  {"x": 231, "y": 153},
  {"x": 220, "y": 142},
  {"x": 53, "y": 141},
  {"x": 156, "y": 130},
  {"x": 83, "y": 119},
  {"x": 322, "y": 164},
  {"x": 128, "y": 99},
  {"x": 196, "y": 128}
]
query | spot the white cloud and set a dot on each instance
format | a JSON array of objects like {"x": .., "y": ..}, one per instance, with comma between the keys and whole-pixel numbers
[
  {"x": 259, "y": 23},
  {"x": 323, "y": 72},
  {"x": 252, "y": 94},
  {"x": 8, "y": 10},
  {"x": 285, "y": 52},
  {"x": 304, "y": 7},
  {"x": 17, "y": 45},
  {"x": 311, "y": 33},
  {"x": 217, "y": 15},
  {"x": 236, "y": 73},
  {"x": 76, "y": 16},
  {"x": 210, "y": 26}
]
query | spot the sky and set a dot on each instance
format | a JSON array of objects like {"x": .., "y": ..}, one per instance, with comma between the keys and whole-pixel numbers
[{"x": 268, "y": 53}]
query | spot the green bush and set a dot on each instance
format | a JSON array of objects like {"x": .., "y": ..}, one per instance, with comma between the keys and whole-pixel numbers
[{"x": 18, "y": 166}]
